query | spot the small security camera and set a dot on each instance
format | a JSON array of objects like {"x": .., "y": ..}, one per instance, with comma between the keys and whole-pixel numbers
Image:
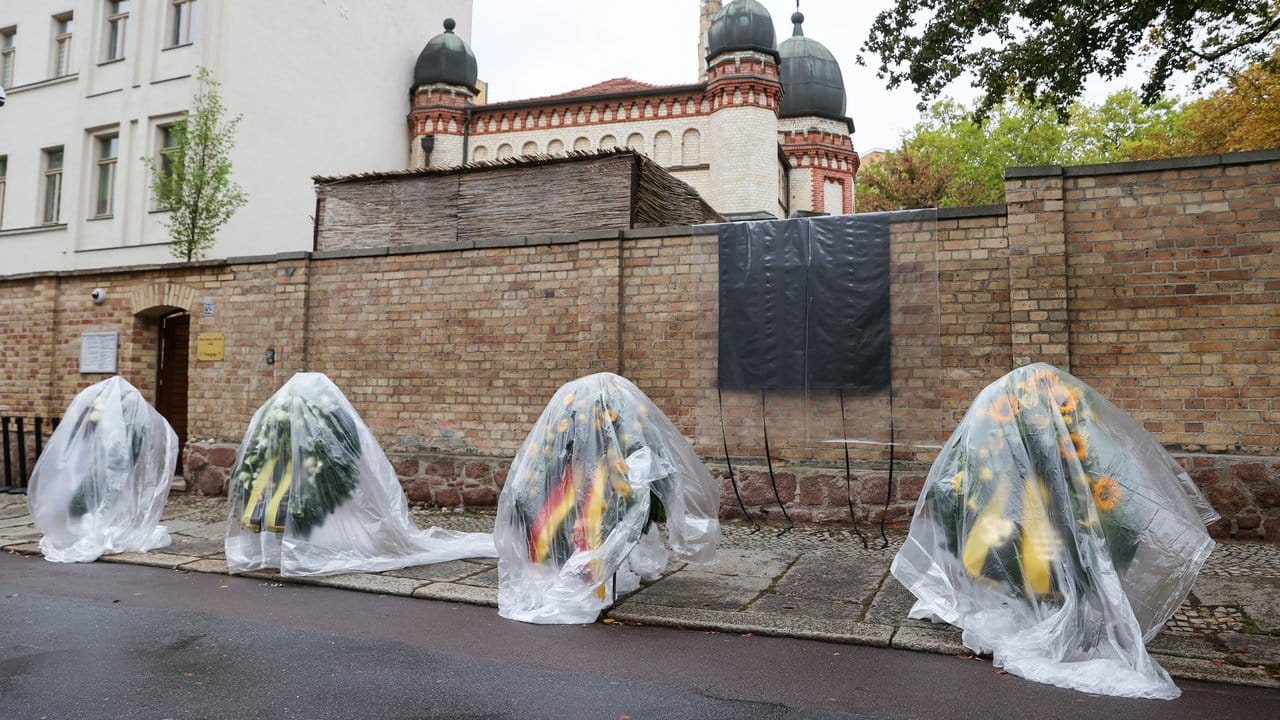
[{"x": 99, "y": 295}]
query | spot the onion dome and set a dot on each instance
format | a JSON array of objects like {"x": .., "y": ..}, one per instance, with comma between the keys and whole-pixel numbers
[
  {"x": 446, "y": 59},
  {"x": 741, "y": 25},
  {"x": 811, "y": 80}
]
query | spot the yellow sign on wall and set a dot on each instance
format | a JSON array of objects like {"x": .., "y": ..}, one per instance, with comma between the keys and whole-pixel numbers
[{"x": 209, "y": 346}]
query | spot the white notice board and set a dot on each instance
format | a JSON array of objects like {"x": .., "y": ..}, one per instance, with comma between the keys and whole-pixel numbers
[{"x": 98, "y": 352}]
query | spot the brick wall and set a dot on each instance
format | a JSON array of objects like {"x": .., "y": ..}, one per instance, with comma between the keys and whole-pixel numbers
[{"x": 1165, "y": 279}]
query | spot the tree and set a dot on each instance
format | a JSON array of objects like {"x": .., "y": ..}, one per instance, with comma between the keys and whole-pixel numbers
[
  {"x": 1043, "y": 51},
  {"x": 948, "y": 159},
  {"x": 192, "y": 177},
  {"x": 1244, "y": 115}
]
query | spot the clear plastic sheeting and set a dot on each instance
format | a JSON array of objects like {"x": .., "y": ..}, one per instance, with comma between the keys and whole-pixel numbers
[
  {"x": 101, "y": 483},
  {"x": 1058, "y": 534},
  {"x": 312, "y": 493},
  {"x": 601, "y": 467}
]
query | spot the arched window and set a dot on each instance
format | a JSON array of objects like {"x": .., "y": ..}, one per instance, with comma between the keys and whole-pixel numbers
[
  {"x": 581, "y": 144},
  {"x": 635, "y": 141},
  {"x": 480, "y": 154},
  {"x": 833, "y": 197},
  {"x": 555, "y": 147},
  {"x": 504, "y": 151},
  {"x": 530, "y": 148},
  {"x": 608, "y": 141},
  {"x": 662, "y": 148},
  {"x": 691, "y": 147}
]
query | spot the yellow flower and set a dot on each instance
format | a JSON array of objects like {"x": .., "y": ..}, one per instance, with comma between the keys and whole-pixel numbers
[
  {"x": 563, "y": 425},
  {"x": 1106, "y": 493},
  {"x": 569, "y": 399},
  {"x": 985, "y": 474},
  {"x": 1003, "y": 409},
  {"x": 957, "y": 482},
  {"x": 1076, "y": 443}
]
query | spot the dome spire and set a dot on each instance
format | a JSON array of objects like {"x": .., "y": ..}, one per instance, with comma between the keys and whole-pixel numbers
[{"x": 797, "y": 18}]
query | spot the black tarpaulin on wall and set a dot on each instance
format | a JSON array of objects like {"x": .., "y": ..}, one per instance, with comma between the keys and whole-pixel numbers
[{"x": 804, "y": 303}]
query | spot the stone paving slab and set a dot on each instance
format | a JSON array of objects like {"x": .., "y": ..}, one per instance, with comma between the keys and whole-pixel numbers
[
  {"x": 1257, "y": 597},
  {"x": 380, "y": 584},
  {"x": 945, "y": 642},
  {"x": 150, "y": 559},
  {"x": 815, "y": 608},
  {"x": 688, "y": 589},
  {"x": 817, "y": 577},
  {"x": 445, "y": 571},
  {"x": 453, "y": 592},
  {"x": 207, "y": 565},
  {"x": 1217, "y": 671},
  {"x": 846, "y": 631}
]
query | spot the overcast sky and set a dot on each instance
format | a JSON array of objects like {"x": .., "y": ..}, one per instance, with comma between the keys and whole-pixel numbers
[{"x": 526, "y": 49}]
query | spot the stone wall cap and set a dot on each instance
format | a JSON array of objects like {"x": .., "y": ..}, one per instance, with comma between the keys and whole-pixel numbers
[
  {"x": 432, "y": 247},
  {"x": 593, "y": 235},
  {"x": 499, "y": 242},
  {"x": 349, "y": 253},
  {"x": 295, "y": 255},
  {"x": 1251, "y": 156},
  {"x": 1143, "y": 166},
  {"x": 250, "y": 259},
  {"x": 1032, "y": 171},
  {"x": 658, "y": 232},
  {"x": 973, "y": 211}
]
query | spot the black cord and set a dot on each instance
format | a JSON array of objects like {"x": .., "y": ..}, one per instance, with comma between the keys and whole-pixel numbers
[
  {"x": 773, "y": 480},
  {"x": 729, "y": 463},
  {"x": 848, "y": 474},
  {"x": 888, "y": 491}
]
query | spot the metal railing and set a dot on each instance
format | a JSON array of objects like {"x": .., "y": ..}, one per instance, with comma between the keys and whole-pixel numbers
[{"x": 19, "y": 462}]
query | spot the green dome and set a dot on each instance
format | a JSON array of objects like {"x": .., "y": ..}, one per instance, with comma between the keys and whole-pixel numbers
[
  {"x": 446, "y": 59},
  {"x": 741, "y": 25}
]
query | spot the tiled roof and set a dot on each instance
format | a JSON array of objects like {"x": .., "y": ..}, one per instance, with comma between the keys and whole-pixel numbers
[{"x": 608, "y": 87}]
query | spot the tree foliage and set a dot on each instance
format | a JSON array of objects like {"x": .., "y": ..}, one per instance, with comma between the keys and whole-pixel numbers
[
  {"x": 949, "y": 160},
  {"x": 192, "y": 179},
  {"x": 1043, "y": 51},
  {"x": 1244, "y": 115}
]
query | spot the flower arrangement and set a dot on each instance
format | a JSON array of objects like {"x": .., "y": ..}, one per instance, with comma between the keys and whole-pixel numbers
[
  {"x": 108, "y": 470},
  {"x": 1033, "y": 468},
  {"x": 299, "y": 461},
  {"x": 574, "y": 486}
]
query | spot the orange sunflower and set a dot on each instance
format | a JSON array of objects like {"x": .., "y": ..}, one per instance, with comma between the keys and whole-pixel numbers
[
  {"x": 1003, "y": 409},
  {"x": 1106, "y": 493},
  {"x": 1075, "y": 442}
]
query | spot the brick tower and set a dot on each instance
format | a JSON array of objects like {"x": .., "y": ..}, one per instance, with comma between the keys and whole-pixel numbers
[{"x": 443, "y": 92}]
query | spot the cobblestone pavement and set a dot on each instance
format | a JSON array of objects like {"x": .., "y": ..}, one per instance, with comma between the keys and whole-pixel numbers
[{"x": 806, "y": 582}]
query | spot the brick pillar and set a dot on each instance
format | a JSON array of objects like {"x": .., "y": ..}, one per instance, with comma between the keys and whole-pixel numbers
[{"x": 1037, "y": 266}]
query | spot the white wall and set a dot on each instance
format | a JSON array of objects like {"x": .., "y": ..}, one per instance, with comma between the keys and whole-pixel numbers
[{"x": 322, "y": 85}]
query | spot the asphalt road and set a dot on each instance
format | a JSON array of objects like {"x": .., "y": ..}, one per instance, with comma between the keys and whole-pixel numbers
[{"x": 79, "y": 642}]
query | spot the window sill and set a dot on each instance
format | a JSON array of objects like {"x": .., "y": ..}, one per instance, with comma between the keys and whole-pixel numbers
[
  {"x": 48, "y": 227},
  {"x": 112, "y": 61},
  {"x": 177, "y": 47},
  {"x": 157, "y": 211},
  {"x": 99, "y": 217}
]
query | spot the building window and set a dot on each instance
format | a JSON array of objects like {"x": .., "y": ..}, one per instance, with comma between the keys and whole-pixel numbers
[
  {"x": 108, "y": 149},
  {"x": 63, "y": 25},
  {"x": 480, "y": 154},
  {"x": 635, "y": 141},
  {"x": 581, "y": 144},
  {"x": 504, "y": 151},
  {"x": 8, "y": 51},
  {"x": 555, "y": 147},
  {"x": 180, "y": 14},
  {"x": 530, "y": 148},
  {"x": 117, "y": 21},
  {"x": 4, "y": 171},
  {"x": 608, "y": 142},
  {"x": 662, "y": 148},
  {"x": 832, "y": 197},
  {"x": 52, "y": 186},
  {"x": 691, "y": 147}
]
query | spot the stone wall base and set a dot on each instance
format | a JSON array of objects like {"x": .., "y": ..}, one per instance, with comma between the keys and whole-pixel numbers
[{"x": 1245, "y": 490}]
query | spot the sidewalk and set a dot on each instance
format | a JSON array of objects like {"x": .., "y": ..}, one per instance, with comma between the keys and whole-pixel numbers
[{"x": 815, "y": 583}]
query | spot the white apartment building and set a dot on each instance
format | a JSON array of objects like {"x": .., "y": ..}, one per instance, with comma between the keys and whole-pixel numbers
[{"x": 321, "y": 86}]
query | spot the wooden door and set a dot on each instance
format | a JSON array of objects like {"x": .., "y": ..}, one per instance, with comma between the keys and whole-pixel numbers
[{"x": 171, "y": 375}]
